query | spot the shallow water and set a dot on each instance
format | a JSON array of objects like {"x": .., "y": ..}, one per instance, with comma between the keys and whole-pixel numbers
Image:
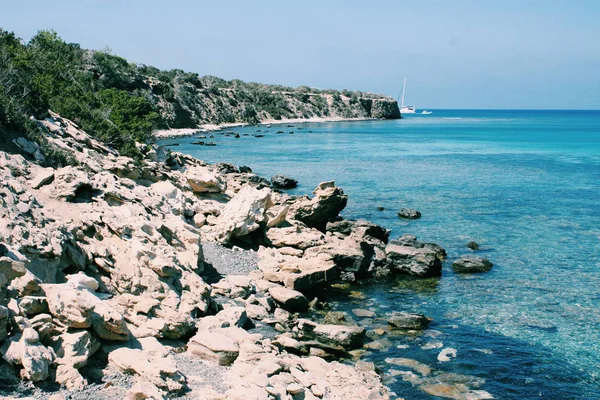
[{"x": 523, "y": 184}]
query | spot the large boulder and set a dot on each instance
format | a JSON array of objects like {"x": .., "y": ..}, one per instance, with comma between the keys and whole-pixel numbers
[
  {"x": 201, "y": 180},
  {"x": 294, "y": 272},
  {"x": 350, "y": 254},
  {"x": 347, "y": 337},
  {"x": 27, "y": 351},
  {"x": 409, "y": 260},
  {"x": 243, "y": 214},
  {"x": 75, "y": 348},
  {"x": 289, "y": 299},
  {"x": 328, "y": 202},
  {"x": 214, "y": 346},
  {"x": 75, "y": 305},
  {"x": 283, "y": 182},
  {"x": 471, "y": 264},
  {"x": 160, "y": 371}
]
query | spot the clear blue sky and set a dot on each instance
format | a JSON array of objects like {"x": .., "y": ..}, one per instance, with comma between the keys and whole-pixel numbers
[{"x": 455, "y": 54}]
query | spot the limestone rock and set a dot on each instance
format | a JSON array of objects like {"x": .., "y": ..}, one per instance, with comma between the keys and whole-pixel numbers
[
  {"x": 298, "y": 236},
  {"x": 70, "y": 378},
  {"x": 43, "y": 177},
  {"x": 471, "y": 264},
  {"x": 80, "y": 308},
  {"x": 70, "y": 184},
  {"x": 347, "y": 336},
  {"x": 409, "y": 213},
  {"x": 75, "y": 348},
  {"x": 327, "y": 203},
  {"x": 143, "y": 391},
  {"x": 413, "y": 261},
  {"x": 161, "y": 372},
  {"x": 201, "y": 180},
  {"x": 406, "y": 320},
  {"x": 289, "y": 299},
  {"x": 283, "y": 182},
  {"x": 28, "y": 352},
  {"x": 243, "y": 214},
  {"x": 295, "y": 272},
  {"x": 214, "y": 346}
]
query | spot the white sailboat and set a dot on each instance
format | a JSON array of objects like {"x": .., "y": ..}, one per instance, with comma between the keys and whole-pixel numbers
[{"x": 406, "y": 109}]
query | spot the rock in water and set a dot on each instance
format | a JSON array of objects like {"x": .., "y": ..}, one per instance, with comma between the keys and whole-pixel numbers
[
  {"x": 410, "y": 260},
  {"x": 283, "y": 182},
  {"x": 473, "y": 245},
  {"x": 409, "y": 213},
  {"x": 406, "y": 320},
  {"x": 470, "y": 264}
]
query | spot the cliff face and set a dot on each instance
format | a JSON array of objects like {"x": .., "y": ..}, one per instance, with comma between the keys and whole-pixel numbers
[{"x": 188, "y": 102}]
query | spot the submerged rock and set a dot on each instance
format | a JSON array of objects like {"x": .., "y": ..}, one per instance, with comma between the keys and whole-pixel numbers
[
  {"x": 472, "y": 264},
  {"x": 473, "y": 245},
  {"x": 406, "y": 320}
]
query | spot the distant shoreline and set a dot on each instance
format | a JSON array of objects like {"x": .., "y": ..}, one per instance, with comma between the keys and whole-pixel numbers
[{"x": 183, "y": 132}]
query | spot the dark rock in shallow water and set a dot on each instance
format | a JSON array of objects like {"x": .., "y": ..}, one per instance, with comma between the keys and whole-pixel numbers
[
  {"x": 409, "y": 213},
  {"x": 283, "y": 182},
  {"x": 361, "y": 226},
  {"x": 406, "y": 320},
  {"x": 410, "y": 240},
  {"x": 337, "y": 318},
  {"x": 380, "y": 208},
  {"x": 470, "y": 264},
  {"x": 422, "y": 262},
  {"x": 473, "y": 245}
]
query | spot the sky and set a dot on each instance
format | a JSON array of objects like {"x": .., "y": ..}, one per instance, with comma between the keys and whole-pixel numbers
[{"x": 509, "y": 54}]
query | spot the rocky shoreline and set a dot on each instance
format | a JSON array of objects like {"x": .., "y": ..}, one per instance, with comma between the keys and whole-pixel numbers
[
  {"x": 147, "y": 279},
  {"x": 185, "y": 132}
]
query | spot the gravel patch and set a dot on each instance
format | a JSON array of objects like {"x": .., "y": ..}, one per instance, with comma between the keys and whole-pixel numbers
[
  {"x": 200, "y": 374},
  {"x": 220, "y": 260}
]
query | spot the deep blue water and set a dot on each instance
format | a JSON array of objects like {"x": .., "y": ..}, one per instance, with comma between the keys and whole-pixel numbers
[{"x": 525, "y": 185}]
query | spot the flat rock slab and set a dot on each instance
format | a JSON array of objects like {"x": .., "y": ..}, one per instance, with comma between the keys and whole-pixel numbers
[{"x": 291, "y": 300}]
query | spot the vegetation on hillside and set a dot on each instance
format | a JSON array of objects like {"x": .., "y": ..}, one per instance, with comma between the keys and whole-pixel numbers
[{"x": 121, "y": 103}]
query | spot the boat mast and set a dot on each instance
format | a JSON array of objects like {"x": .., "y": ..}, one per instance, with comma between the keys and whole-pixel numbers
[{"x": 403, "y": 89}]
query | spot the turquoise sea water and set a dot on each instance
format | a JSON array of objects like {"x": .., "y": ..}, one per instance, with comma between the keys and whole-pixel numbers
[{"x": 525, "y": 185}]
